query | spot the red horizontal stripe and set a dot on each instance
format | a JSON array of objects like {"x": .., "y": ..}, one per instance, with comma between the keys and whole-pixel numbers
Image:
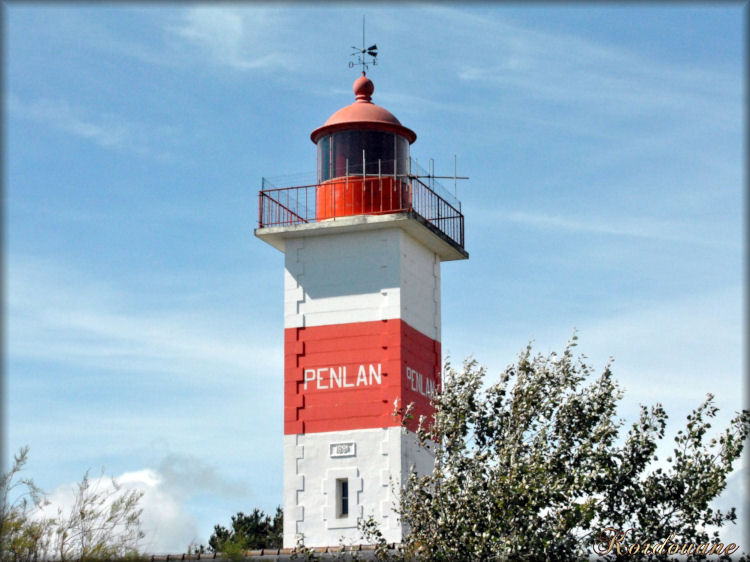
[{"x": 320, "y": 354}]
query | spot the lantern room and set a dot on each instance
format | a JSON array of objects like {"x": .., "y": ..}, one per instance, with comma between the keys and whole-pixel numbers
[
  {"x": 364, "y": 173},
  {"x": 363, "y": 159}
]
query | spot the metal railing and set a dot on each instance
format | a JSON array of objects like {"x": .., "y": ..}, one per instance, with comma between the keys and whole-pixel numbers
[
  {"x": 287, "y": 206},
  {"x": 360, "y": 195}
]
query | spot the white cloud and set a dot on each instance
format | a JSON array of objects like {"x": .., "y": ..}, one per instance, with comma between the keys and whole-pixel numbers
[
  {"x": 240, "y": 38},
  {"x": 106, "y": 130},
  {"x": 167, "y": 520}
]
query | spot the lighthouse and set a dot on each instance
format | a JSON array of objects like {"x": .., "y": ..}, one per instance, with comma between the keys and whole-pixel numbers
[{"x": 362, "y": 246}]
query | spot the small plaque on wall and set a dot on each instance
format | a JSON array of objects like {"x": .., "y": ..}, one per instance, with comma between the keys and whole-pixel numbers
[{"x": 343, "y": 449}]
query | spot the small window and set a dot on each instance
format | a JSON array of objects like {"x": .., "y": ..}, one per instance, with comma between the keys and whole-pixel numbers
[{"x": 342, "y": 497}]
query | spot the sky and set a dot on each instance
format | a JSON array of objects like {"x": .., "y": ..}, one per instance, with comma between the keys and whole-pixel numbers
[{"x": 144, "y": 321}]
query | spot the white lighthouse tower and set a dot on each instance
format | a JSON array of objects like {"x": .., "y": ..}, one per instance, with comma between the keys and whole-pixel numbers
[{"x": 362, "y": 251}]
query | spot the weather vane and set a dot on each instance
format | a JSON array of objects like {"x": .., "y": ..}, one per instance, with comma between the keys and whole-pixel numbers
[{"x": 362, "y": 53}]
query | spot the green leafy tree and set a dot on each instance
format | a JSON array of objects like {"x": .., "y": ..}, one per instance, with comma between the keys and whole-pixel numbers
[
  {"x": 535, "y": 466},
  {"x": 249, "y": 532}
]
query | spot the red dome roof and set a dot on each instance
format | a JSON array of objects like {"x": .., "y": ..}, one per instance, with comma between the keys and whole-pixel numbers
[{"x": 363, "y": 114}]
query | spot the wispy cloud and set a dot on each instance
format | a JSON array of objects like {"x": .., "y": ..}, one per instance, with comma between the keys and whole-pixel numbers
[
  {"x": 240, "y": 38},
  {"x": 662, "y": 351},
  {"x": 633, "y": 227},
  {"x": 670, "y": 349},
  {"x": 59, "y": 314},
  {"x": 105, "y": 129},
  {"x": 187, "y": 475},
  {"x": 569, "y": 69},
  {"x": 634, "y": 106}
]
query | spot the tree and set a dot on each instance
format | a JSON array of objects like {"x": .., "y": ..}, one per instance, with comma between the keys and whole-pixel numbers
[
  {"x": 535, "y": 467},
  {"x": 23, "y": 536},
  {"x": 248, "y": 532},
  {"x": 102, "y": 524}
]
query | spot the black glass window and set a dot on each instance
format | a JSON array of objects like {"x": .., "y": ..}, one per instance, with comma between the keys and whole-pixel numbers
[
  {"x": 342, "y": 493},
  {"x": 342, "y": 152}
]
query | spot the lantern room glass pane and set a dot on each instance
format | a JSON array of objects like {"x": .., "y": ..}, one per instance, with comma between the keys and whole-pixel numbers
[
  {"x": 341, "y": 153},
  {"x": 324, "y": 160}
]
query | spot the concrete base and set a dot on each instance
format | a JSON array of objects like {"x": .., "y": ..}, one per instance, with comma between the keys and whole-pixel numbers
[{"x": 374, "y": 462}]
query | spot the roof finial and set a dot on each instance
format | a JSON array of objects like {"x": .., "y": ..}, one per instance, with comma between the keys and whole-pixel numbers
[
  {"x": 363, "y": 89},
  {"x": 364, "y": 52}
]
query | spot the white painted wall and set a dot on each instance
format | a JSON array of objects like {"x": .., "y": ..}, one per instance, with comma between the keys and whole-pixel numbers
[
  {"x": 419, "y": 287},
  {"x": 338, "y": 279},
  {"x": 377, "y": 464},
  {"x": 361, "y": 277}
]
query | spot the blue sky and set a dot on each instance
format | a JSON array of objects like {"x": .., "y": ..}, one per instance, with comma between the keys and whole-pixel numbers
[{"x": 144, "y": 326}]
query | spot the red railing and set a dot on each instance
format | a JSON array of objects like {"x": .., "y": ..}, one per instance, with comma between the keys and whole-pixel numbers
[{"x": 357, "y": 195}]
